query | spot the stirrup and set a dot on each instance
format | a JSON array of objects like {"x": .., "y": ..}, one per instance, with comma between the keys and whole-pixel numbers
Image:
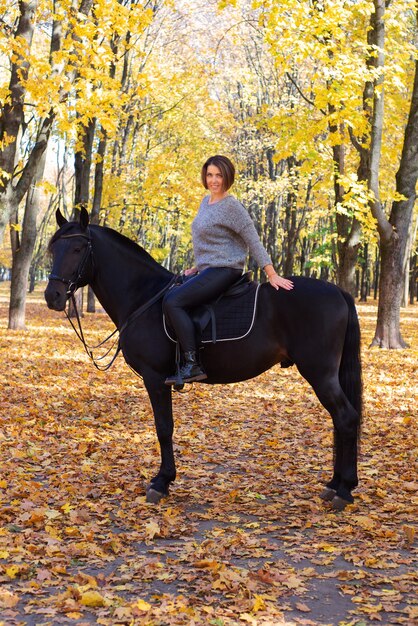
[
  {"x": 194, "y": 379},
  {"x": 175, "y": 380}
]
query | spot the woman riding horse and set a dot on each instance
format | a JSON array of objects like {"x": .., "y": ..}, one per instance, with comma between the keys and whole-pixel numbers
[{"x": 223, "y": 232}]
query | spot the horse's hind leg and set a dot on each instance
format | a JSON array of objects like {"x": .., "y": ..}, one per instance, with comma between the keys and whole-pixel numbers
[
  {"x": 336, "y": 489},
  {"x": 346, "y": 423}
]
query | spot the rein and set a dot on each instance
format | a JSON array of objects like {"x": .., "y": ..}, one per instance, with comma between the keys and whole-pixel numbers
[
  {"x": 132, "y": 317},
  {"x": 72, "y": 288},
  {"x": 89, "y": 349}
]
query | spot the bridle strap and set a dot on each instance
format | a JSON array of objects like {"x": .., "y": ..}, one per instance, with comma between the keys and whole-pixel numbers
[
  {"x": 73, "y": 284},
  {"x": 72, "y": 288}
]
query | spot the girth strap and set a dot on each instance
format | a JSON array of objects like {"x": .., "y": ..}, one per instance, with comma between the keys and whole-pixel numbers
[{"x": 211, "y": 309}]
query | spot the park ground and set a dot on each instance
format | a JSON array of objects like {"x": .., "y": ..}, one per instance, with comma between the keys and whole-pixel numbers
[{"x": 243, "y": 538}]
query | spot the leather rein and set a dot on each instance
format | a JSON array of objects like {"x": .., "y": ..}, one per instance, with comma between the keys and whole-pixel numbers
[{"x": 72, "y": 286}]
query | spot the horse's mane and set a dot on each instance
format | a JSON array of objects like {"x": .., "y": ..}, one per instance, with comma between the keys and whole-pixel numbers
[
  {"x": 120, "y": 239},
  {"x": 124, "y": 241}
]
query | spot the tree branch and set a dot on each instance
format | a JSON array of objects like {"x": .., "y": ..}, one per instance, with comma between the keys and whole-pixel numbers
[{"x": 311, "y": 102}]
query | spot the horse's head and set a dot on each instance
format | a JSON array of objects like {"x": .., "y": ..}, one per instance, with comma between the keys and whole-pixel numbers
[{"x": 71, "y": 260}]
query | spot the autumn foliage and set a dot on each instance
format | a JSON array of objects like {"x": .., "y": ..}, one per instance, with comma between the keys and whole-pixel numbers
[{"x": 243, "y": 537}]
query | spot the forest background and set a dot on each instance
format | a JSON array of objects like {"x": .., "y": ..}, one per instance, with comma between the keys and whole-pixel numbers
[{"x": 116, "y": 104}]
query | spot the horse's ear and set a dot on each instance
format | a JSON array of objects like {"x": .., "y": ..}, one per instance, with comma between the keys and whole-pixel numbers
[
  {"x": 84, "y": 218},
  {"x": 60, "y": 218}
]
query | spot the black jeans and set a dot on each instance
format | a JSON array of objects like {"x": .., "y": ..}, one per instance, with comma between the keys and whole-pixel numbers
[{"x": 200, "y": 289}]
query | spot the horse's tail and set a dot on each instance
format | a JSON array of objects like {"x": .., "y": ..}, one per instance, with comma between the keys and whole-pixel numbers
[{"x": 350, "y": 367}]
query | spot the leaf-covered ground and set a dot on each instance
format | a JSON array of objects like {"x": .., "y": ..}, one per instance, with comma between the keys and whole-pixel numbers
[{"x": 243, "y": 537}]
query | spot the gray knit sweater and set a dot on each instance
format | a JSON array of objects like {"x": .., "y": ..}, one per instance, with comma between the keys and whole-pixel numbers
[{"x": 223, "y": 233}]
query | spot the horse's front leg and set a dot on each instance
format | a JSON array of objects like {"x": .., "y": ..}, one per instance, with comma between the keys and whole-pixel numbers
[{"x": 160, "y": 397}]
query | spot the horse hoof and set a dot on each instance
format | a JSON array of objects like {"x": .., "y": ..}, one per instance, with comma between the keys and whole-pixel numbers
[
  {"x": 339, "y": 504},
  {"x": 153, "y": 496},
  {"x": 328, "y": 494}
]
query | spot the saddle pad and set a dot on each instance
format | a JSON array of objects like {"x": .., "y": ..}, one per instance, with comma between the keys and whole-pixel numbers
[{"x": 234, "y": 317}]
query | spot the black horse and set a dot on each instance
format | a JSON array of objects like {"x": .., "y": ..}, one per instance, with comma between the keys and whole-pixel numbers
[{"x": 314, "y": 326}]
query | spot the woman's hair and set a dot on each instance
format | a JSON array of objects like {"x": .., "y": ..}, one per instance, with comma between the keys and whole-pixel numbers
[{"x": 227, "y": 169}]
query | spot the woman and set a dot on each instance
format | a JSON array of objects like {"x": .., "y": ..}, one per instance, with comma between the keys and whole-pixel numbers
[{"x": 222, "y": 232}]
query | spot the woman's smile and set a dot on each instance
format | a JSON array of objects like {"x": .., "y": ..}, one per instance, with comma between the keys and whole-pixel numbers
[{"x": 215, "y": 183}]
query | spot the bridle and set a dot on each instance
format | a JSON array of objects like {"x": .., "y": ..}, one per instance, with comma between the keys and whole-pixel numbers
[{"x": 72, "y": 285}]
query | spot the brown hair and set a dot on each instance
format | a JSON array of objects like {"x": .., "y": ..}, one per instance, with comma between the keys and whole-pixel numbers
[{"x": 227, "y": 169}]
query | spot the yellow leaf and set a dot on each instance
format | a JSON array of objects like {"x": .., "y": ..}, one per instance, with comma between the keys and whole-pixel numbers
[
  {"x": 12, "y": 571},
  {"x": 259, "y": 604},
  {"x": 152, "y": 529},
  {"x": 66, "y": 507},
  {"x": 141, "y": 605},
  {"x": 4, "y": 554},
  {"x": 92, "y": 598},
  {"x": 3, "y": 484},
  {"x": 327, "y": 548},
  {"x": 246, "y": 617}
]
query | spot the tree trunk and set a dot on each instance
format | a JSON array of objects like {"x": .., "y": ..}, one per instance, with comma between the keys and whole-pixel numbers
[
  {"x": 393, "y": 246},
  {"x": 387, "y": 333},
  {"x": 21, "y": 264},
  {"x": 348, "y": 228},
  {"x": 348, "y": 253},
  {"x": 412, "y": 235},
  {"x": 291, "y": 227},
  {"x": 82, "y": 163},
  {"x": 12, "y": 116},
  {"x": 82, "y": 170},
  {"x": 364, "y": 282},
  {"x": 413, "y": 282},
  {"x": 23, "y": 255},
  {"x": 97, "y": 201}
]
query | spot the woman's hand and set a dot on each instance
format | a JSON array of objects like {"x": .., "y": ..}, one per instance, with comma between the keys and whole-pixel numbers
[
  {"x": 275, "y": 280},
  {"x": 190, "y": 271},
  {"x": 278, "y": 282}
]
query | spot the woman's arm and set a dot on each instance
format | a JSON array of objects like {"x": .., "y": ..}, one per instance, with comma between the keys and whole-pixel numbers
[{"x": 275, "y": 280}]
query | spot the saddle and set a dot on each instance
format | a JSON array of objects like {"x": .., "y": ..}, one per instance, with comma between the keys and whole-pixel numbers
[{"x": 229, "y": 317}]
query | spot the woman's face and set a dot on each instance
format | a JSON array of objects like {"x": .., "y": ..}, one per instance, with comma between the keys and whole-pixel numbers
[{"x": 214, "y": 179}]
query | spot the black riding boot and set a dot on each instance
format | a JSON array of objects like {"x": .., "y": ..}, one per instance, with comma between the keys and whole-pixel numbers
[{"x": 190, "y": 372}]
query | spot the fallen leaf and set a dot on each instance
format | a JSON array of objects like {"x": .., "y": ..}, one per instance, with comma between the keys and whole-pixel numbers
[{"x": 92, "y": 599}]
